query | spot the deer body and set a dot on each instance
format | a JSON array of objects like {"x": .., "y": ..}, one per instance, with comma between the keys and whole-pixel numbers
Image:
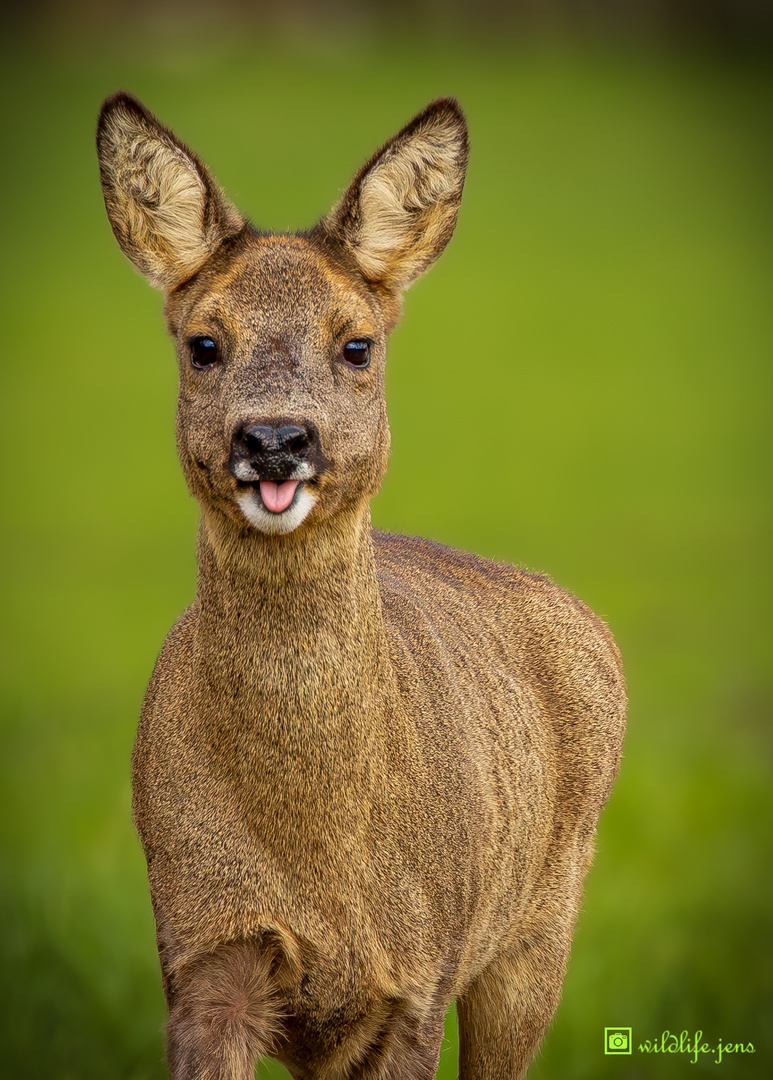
[{"x": 369, "y": 768}]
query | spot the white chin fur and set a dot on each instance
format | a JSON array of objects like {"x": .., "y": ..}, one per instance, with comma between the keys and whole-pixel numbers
[{"x": 267, "y": 522}]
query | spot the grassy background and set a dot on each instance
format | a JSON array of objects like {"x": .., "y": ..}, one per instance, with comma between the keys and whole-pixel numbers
[{"x": 602, "y": 320}]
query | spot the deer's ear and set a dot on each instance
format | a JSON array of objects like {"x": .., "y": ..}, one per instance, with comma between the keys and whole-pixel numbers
[
  {"x": 400, "y": 210},
  {"x": 166, "y": 211}
]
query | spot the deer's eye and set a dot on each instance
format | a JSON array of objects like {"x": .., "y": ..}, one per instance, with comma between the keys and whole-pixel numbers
[
  {"x": 357, "y": 353},
  {"x": 203, "y": 352}
]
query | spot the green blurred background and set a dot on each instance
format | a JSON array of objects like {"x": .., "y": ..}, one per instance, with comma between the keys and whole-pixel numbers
[{"x": 601, "y": 320}]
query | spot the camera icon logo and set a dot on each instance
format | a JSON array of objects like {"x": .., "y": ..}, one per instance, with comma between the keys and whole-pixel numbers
[{"x": 617, "y": 1040}]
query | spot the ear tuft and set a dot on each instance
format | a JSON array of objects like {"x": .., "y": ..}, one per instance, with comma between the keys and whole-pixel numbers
[
  {"x": 400, "y": 210},
  {"x": 165, "y": 209}
]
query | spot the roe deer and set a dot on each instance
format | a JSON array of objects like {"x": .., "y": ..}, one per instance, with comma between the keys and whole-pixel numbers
[{"x": 369, "y": 768}]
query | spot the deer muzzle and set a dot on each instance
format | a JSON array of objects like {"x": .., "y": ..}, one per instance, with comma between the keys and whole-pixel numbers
[{"x": 274, "y": 458}]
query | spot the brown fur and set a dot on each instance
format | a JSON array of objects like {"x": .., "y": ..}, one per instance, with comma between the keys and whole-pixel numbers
[{"x": 369, "y": 768}]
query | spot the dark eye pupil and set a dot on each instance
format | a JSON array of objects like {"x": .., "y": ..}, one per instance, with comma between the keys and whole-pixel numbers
[
  {"x": 357, "y": 353},
  {"x": 203, "y": 352}
]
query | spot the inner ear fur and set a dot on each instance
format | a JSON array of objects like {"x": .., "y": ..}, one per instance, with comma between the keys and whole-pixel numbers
[
  {"x": 400, "y": 210},
  {"x": 166, "y": 211}
]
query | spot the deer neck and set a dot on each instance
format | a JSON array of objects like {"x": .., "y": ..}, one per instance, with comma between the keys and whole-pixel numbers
[{"x": 293, "y": 624}]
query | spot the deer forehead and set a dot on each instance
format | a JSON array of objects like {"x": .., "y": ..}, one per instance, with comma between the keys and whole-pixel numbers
[{"x": 277, "y": 288}]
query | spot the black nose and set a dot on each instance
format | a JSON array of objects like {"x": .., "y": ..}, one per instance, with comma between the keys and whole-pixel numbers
[
  {"x": 270, "y": 439},
  {"x": 273, "y": 449}
]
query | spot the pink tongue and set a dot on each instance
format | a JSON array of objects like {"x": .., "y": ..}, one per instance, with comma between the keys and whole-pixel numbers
[{"x": 277, "y": 497}]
